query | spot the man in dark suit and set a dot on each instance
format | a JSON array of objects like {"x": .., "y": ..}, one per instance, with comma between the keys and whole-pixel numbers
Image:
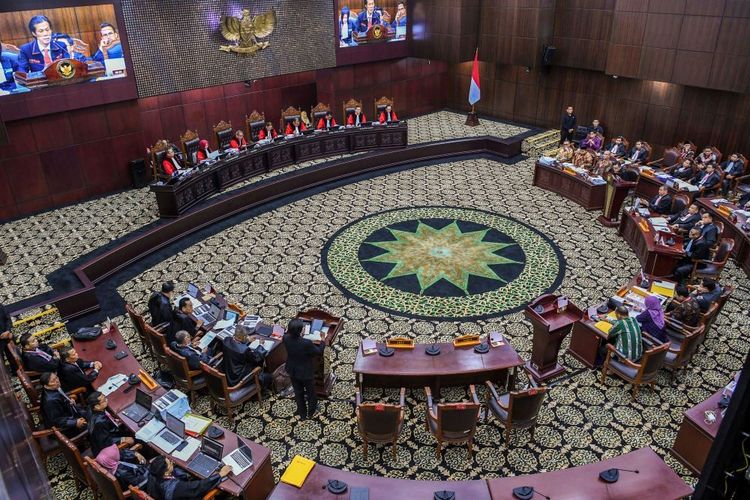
[
  {"x": 104, "y": 429},
  {"x": 567, "y": 125},
  {"x": 707, "y": 294},
  {"x": 239, "y": 360},
  {"x": 6, "y": 339},
  {"x": 709, "y": 231},
  {"x": 696, "y": 248},
  {"x": 58, "y": 410},
  {"x": 662, "y": 202},
  {"x": 685, "y": 220},
  {"x": 707, "y": 179},
  {"x": 596, "y": 127},
  {"x": 160, "y": 305},
  {"x": 732, "y": 168},
  {"x": 182, "y": 346},
  {"x": 617, "y": 147},
  {"x": 300, "y": 366},
  {"x": 638, "y": 154},
  {"x": 38, "y": 357},
  {"x": 75, "y": 372},
  {"x": 368, "y": 17},
  {"x": 182, "y": 319}
]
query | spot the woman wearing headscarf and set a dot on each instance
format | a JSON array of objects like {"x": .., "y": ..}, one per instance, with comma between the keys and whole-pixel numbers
[
  {"x": 165, "y": 482},
  {"x": 652, "y": 319},
  {"x": 129, "y": 467},
  {"x": 203, "y": 150}
]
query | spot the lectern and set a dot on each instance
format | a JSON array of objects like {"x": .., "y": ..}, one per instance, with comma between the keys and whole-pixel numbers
[
  {"x": 617, "y": 191},
  {"x": 330, "y": 327},
  {"x": 551, "y": 325}
]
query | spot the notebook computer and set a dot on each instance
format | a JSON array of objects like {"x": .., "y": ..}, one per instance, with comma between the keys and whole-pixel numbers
[
  {"x": 230, "y": 315},
  {"x": 211, "y": 315},
  {"x": 208, "y": 459},
  {"x": 140, "y": 409},
  {"x": 171, "y": 436},
  {"x": 240, "y": 459},
  {"x": 193, "y": 290}
]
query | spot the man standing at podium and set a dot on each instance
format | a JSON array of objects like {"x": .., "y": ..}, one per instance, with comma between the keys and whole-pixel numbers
[
  {"x": 368, "y": 17},
  {"x": 43, "y": 50}
]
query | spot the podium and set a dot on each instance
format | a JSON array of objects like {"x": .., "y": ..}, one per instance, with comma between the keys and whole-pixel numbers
[
  {"x": 615, "y": 194},
  {"x": 376, "y": 33},
  {"x": 550, "y": 328},
  {"x": 324, "y": 376},
  {"x": 60, "y": 72}
]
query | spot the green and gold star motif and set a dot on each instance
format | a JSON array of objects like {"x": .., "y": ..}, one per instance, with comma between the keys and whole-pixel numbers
[{"x": 447, "y": 253}]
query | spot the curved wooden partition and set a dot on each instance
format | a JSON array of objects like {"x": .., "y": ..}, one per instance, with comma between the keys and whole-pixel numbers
[{"x": 83, "y": 300}]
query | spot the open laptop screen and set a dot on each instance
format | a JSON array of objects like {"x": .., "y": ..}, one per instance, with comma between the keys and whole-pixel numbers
[
  {"x": 213, "y": 449},
  {"x": 143, "y": 399},
  {"x": 175, "y": 425}
]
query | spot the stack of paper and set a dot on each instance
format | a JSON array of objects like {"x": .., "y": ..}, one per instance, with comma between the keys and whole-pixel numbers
[
  {"x": 603, "y": 326},
  {"x": 113, "y": 383},
  {"x": 267, "y": 344},
  {"x": 663, "y": 288},
  {"x": 187, "y": 451},
  {"x": 222, "y": 324},
  {"x": 195, "y": 424}
]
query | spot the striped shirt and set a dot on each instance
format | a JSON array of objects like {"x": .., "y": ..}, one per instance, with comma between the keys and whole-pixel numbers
[{"x": 626, "y": 335}]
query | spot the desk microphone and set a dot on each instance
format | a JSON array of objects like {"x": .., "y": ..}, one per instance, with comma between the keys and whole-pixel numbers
[
  {"x": 613, "y": 475},
  {"x": 526, "y": 493}
]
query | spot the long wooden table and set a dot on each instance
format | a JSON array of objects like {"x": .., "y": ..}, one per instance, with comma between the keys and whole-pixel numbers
[
  {"x": 175, "y": 198},
  {"x": 575, "y": 188},
  {"x": 454, "y": 366},
  {"x": 656, "y": 259},
  {"x": 732, "y": 229},
  {"x": 254, "y": 483},
  {"x": 648, "y": 187},
  {"x": 654, "y": 481}
]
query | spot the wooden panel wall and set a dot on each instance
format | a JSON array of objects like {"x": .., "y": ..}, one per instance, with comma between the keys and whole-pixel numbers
[
  {"x": 582, "y": 32},
  {"x": 445, "y": 29}
]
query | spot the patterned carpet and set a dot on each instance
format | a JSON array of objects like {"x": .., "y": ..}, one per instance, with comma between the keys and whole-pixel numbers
[{"x": 271, "y": 264}]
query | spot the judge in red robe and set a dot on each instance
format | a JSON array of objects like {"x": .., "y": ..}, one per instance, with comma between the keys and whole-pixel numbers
[
  {"x": 295, "y": 127},
  {"x": 170, "y": 164},
  {"x": 268, "y": 132},
  {"x": 357, "y": 118},
  {"x": 388, "y": 115},
  {"x": 238, "y": 141},
  {"x": 203, "y": 151},
  {"x": 326, "y": 122}
]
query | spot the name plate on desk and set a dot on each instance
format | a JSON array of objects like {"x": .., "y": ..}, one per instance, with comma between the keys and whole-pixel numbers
[
  {"x": 497, "y": 339},
  {"x": 369, "y": 347},
  {"x": 400, "y": 343},
  {"x": 467, "y": 340}
]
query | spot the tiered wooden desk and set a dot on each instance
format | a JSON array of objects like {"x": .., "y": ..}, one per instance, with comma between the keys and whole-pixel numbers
[
  {"x": 732, "y": 229},
  {"x": 254, "y": 483},
  {"x": 575, "y": 188},
  {"x": 648, "y": 187},
  {"x": 657, "y": 260}
]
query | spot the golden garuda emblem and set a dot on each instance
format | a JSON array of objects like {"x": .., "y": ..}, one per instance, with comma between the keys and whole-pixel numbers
[
  {"x": 245, "y": 31},
  {"x": 66, "y": 69}
]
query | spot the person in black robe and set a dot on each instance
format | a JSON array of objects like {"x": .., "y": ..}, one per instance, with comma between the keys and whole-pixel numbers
[
  {"x": 182, "y": 346},
  {"x": 239, "y": 360},
  {"x": 75, "y": 372},
  {"x": 160, "y": 305},
  {"x": 104, "y": 429},
  {"x": 165, "y": 482},
  {"x": 38, "y": 357},
  {"x": 58, "y": 410},
  {"x": 128, "y": 466},
  {"x": 182, "y": 319}
]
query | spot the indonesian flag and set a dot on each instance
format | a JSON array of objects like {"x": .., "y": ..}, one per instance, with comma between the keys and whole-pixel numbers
[{"x": 474, "y": 86}]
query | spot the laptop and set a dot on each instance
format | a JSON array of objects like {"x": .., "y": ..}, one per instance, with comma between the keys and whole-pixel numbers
[
  {"x": 240, "y": 459},
  {"x": 171, "y": 436},
  {"x": 193, "y": 290},
  {"x": 208, "y": 459},
  {"x": 140, "y": 409},
  {"x": 230, "y": 315},
  {"x": 210, "y": 316}
]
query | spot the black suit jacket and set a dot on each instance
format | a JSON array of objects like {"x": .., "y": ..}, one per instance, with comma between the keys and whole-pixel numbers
[
  {"x": 160, "y": 309},
  {"x": 619, "y": 148},
  {"x": 661, "y": 206},
  {"x": 239, "y": 360},
  {"x": 642, "y": 154},
  {"x": 192, "y": 356},
  {"x": 700, "y": 249},
  {"x": 711, "y": 181},
  {"x": 58, "y": 411},
  {"x": 737, "y": 168},
  {"x": 181, "y": 321},
  {"x": 103, "y": 432},
  {"x": 36, "y": 363},
  {"x": 710, "y": 233},
  {"x": 300, "y": 356},
  {"x": 568, "y": 122},
  {"x": 73, "y": 375},
  {"x": 685, "y": 220}
]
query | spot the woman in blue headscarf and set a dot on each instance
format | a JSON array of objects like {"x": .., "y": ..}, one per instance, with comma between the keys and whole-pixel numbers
[{"x": 346, "y": 27}]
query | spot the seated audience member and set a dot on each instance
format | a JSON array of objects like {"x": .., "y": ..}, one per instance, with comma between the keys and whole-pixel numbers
[
  {"x": 695, "y": 248},
  {"x": 267, "y": 132},
  {"x": 104, "y": 429},
  {"x": 592, "y": 142},
  {"x": 368, "y": 17},
  {"x": 165, "y": 482},
  {"x": 357, "y": 118},
  {"x": 626, "y": 174},
  {"x": 582, "y": 158},
  {"x": 708, "y": 229},
  {"x": 617, "y": 147},
  {"x": 160, "y": 305},
  {"x": 238, "y": 141},
  {"x": 564, "y": 152},
  {"x": 685, "y": 220},
  {"x": 685, "y": 308},
  {"x": 387, "y": 115},
  {"x": 603, "y": 164},
  {"x": 182, "y": 345},
  {"x": 203, "y": 151},
  {"x": 182, "y": 319},
  {"x": 686, "y": 153},
  {"x": 295, "y": 127},
  {"x": 652, "y": 319},
  {"x": 707, "y": 156},
  {"x": 171, "y": 163},
  {"x": 639, "y": 153},
  {"x": 662, "y": 202},
  {"x": 38, "y": 357},
  {"x": 75, "y": 372},
  {"x": 58, "y": 410},
  {"x": 596, "y": 127},
  {"x": 347, "y": 27},
  {"x": 625, "y": 334},
  {"x": 109, "y": 45},
  {"x": 127, "y": 466},
  {"x": 685, "y": 171},
  {"x": 732, "y": 168},
  {"x": 239, "y": 360},
  {"x": 43, "y": 50},
  {"x": 707, "y": 179},
  {"x": 326, "y": 122},
  {"x": 707, "y": 294}
]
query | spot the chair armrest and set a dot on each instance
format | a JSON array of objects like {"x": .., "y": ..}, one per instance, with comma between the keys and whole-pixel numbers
[
  {"x": 473, "y": 393},
  {"x": 78, "y": 391},
  {"x": 211, "y": 494},
  {"x": 623, "y": 359},
  {"x": 42, "y": 433},
  {"x": 161, "y": 327},
  {"x": 357, "y": 396},
  {"x": 649, "y": 339},
  {"x": 402, "y": 397},
  {"x": 215, "y": 358},
  {"x": 194, "y": 373},
  {"x": 492, "y": 390},
  {"x": 246, "y": 379},
  {"x": 430, "y": 415}
]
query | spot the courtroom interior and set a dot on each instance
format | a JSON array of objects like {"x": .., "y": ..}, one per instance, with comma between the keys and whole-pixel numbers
[{"x": 375, "y": 249}]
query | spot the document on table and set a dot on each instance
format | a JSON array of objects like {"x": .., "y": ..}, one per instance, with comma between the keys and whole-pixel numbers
[
  {"x": 267, "y": 344},
  {"x": 113, "y": 383},
  {"x": 187, "y": 451},
  {"x": 150, "y": 430},
  {"x": 224, "y": 323},
  {"x": 195, "y": 424}
]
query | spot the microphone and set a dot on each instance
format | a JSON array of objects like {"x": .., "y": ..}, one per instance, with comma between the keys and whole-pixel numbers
[
  {"x": 613, "y": 475},
  {"x": 527, "y": 492}
]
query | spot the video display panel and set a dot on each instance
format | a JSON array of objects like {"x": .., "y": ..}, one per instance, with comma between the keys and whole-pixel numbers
[
  {"x": 370, "y": 22},
  {"x": 53, "y": 47}
]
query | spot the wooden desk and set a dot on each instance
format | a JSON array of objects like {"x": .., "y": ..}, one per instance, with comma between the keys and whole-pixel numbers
[
  {"x": 695, "y": 437},
  {"x": 175, "y": 199},
  {"x": 454, "y": 366},
  {"x": 254, "y": 483},
  {"x": 657, "y": 260},
  {"x": 379, "y": 487},
  {"x": 648, "y": 187},
  {"x": 655, "y": 481},
  {"x": 575, "y": 188},
  {"x": 732, "y": 229}
]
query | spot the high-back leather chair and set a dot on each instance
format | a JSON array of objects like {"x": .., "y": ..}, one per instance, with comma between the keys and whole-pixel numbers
[
  {"x": 712, "y": 268},
  {"x": 380, "y": 105},
  {"x": 637, "y": 374},
  {"x": 158, "y": 345},
  {"x": 189, "y": 141},
  {"x": 379, "y": 422},
  {"x": 139, "y": 324},
  {"x": 75, "y": 461},
  {"x": 158, "y": 152},
  {"x": 230, "y": 397},
  {"x": 287, "y": 116},
  {"x": 187, "y": 380},
  {"x": 254, "y": 123},
  {"x": 452, "y": 422},
  {"x": 106, "y": 484},
  {"x": 716, "y": 308},
  {"x": 679, "y": 203},
  {"x": 649, "y": 151},
  {"x": 516, "y": 409},
  {"x": 348, "y": 109},
  {"x": 317, "y": 112},
  {"x": 139, "y": 494},
  {"x": 223, "y": 133},
  {"x": 682, "y": 349},
  {"x": 44, "y": 440}
]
